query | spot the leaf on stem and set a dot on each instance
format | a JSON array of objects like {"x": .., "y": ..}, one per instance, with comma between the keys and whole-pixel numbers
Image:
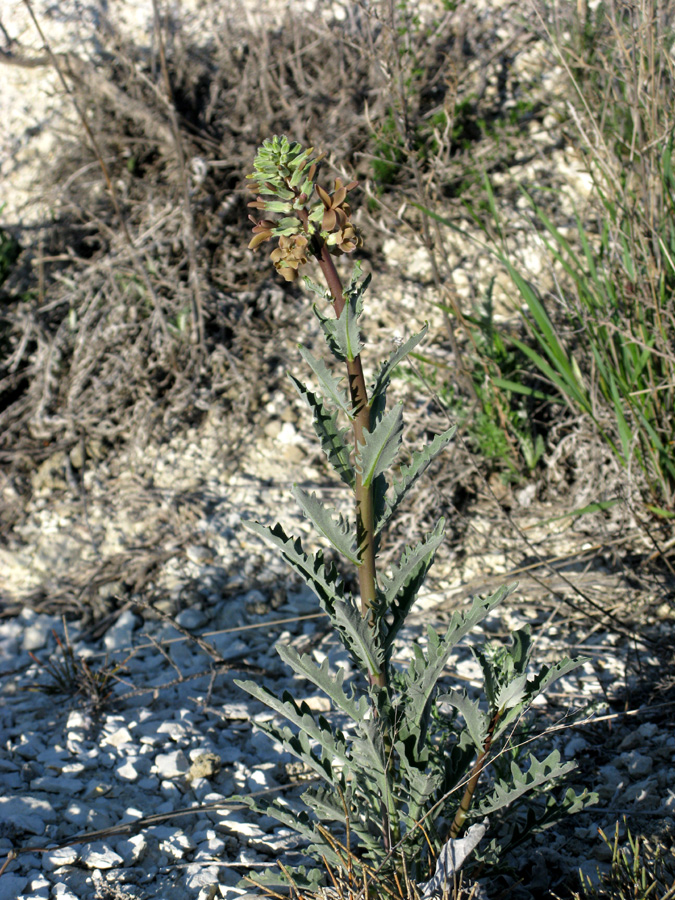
[
  {"x": 322, "y": 578},
  {"x": 423, "y": 672},
  {"x": 347, "y": 332},
  {"x": 321, "y": 677},
  {"x": 329, "y": 383},
  {"x": 537, "y": 775},
  {"x": 331, "y": 741},
  {"x": 409, "y": 474},
  {"x": 477, "y": 722},
  {"x": 332, "y": 437},
  {"x": 358, "y": 637},
  {"x": 384, "y": 375},
  {"x": 328, "y": 523},
  {"x": 380, "y": 446},
  {"x": 399, "y": 590}
]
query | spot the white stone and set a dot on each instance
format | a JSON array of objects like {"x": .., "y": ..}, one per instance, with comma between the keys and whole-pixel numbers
[
  {"x": 39, "y": 886},
  {"x": 12, "y": 885},
  {"x": 171, "y": 765},
  {"x": 64, "y": 856},
  {"x": 100, "y": 856},
  {"x": 176, "y": 730},
  {"x": 127, "y": 772},
  {"x": 117, "y": 738},
  {"x": 610, "y": 781},
  {"x": 201, "y": 877},
  {"x": 191, "y": 618},
  {"x": 574, "y": 746},
  {"x": 213, "y": 845},
  {"x": 62, "y": 892},
  {"x": 177, "y": 844},
  {"x": 637, "y": 764},
  {"x": 56, "y": 784},
  {"x": 119, "y": 637},
  {"x": 132, "y": 849},
  {"x": 261, "y": 778},
  {"x": 78, "y": 721},
  {"x": 169, "y": 790},
  {"x": 640, "y": 792},
  {"x": 26, "y": 813}
]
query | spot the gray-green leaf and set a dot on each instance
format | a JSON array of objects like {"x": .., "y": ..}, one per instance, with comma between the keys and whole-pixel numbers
[
  {"x": 379, "y": 450},
  {"x": 347, "y": 333},
  {"x": 328, "y": 381},
  {"x": 331, "y": 685},
  {"x": 329, "y": 524},
  {"x": 360, "y": 636},
  {"x": 331, "y": 436},
  {"x": 476, "y": 720},
  {"x": 409, "y": 474},
  {"x": 384, "y": 375},
  {"x": 323, "y": 579}
]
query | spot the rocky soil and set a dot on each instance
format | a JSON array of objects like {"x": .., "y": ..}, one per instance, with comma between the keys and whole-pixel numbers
[{"x": 163, "y": 526}]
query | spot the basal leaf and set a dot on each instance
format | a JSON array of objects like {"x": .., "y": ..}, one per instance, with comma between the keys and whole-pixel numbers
[
  {"x": 331, "y": 685},
  {"x": 535, "y": 686},
  {"x": 381, "y": 445},
  {"x": 331, "y": 436},
  {"x": 537, "y": 775},
  {"x": 512, "y": 694},
  {"x": 331, "y": 741},
  {"x": 550, "y": 674},
  {"x": 328, "y": 523},
  {"x": 421, "y": 679},
  {"x": 476, "y": 720},
  {"x": 275, "y": 879}
]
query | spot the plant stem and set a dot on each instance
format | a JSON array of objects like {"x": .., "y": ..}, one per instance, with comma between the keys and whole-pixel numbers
[
  {"x": 479, "y": 765},
  {"x": 365, "y": 508}
]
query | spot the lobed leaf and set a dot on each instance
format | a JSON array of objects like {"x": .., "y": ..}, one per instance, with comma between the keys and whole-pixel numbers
[
  {"x": 537, "y": 775},
  {"x": 316, "y": 288},
  {"x": 358, "y": 637},
  {"x": 380, "y": 446},
  {"x": 476, "y": 720},
  {"x": 329, "y": 524},
  {"x": 329, "y": 383},
  {"x": 323, "y": 579},
  {"x": 331, "y": 741},
  {"x": 347, "y": 333},
  {"x": 329, "y": 328},
  {"x": 332, "y": 686},
  {"x": 424, "y": 671},
  {"x": 409, "y": 474},
  {"x": 384, "y": 375},
  {"x": 332, "y": 437},
  {"x": 420, "y": 783},
  {"x": 399, "y": 590}
]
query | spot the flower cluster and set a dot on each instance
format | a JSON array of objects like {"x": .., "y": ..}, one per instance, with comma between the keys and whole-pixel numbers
[{"x": 285, "y": 180}]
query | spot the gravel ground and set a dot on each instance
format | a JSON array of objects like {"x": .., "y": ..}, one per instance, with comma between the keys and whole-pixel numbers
[{"x": 178, "y": 737}]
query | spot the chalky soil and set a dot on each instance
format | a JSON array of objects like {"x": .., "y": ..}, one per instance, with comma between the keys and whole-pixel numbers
[{"x": 177, "y": 739}]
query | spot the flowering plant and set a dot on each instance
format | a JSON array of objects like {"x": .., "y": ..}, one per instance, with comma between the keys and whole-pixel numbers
[{"x": 400, "y": 774}]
